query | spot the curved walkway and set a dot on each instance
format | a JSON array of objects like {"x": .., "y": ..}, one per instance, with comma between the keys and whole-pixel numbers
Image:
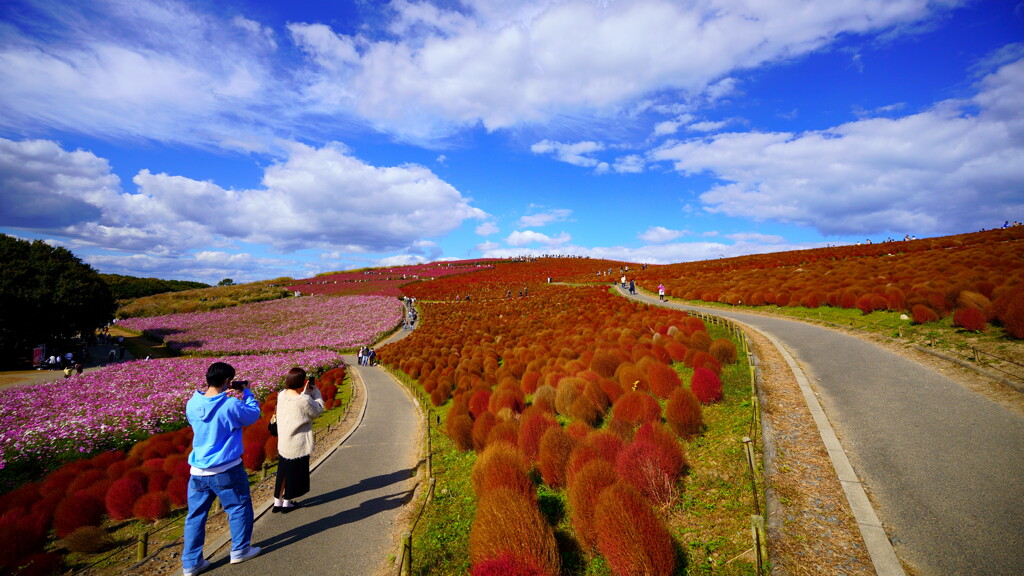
[
  {"x": 944, "y": 466},
  {"x": 351, "y": 520}
]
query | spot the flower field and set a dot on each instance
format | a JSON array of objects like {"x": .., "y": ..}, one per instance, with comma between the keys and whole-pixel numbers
[
  {"x": 291, "y": 324},
  {"x": 113, "y": 407},
  {"x": 575, "y": 387}
]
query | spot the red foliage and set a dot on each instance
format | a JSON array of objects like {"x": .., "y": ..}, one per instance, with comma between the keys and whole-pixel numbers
[
  {"x": 501, "y": 465},
  {"x": 152, "y": 506},
  {"x": 156, "y": 481},
  {"x": 507, "y": 432},
  {"x": 270, "y": 449},
  {"x": 706, "y": 385},
  {"x": 555, "y": 448},
  {"x": 662, "y": 379},
  {"x": 923, "y": 314},
  {"x": 629, "y": 534},
  {"x": 177, "y": 491},
  {"x": 121, "y": 498},
  {"x": 531, "y": 431},
  {"x": 636, "y": 408},
  {"x": 253, "y": 455},
  {"x": 971, "y": 319},
  {"x": 21, "y": 535},
  {"x": 1009, "y": 308},
  {"x": 460, "y": 430},
  {"x": 507, "y": 524},
  {"x": 583, "y": 492},
  {"x": 604, "y": 363},
  {"x": 675, "y": 350},
  {"x": 85, "y": 480},
  {"x": 723, "y": 351},
  {"x": 683, "y": 413},
  {"x": 77, "y": 510},
  {"x": 507, "y": 398},
  {"x": 652, "y": 463},
  {"x": 531, "y": 379},
  {"x": 506, "y": 565},
  {"x": 481, "y": 429},
  {"x": 478, "y": 403}
]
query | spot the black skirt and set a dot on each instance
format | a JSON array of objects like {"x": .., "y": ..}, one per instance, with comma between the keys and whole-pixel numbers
[{"x": 292, "y": 477}]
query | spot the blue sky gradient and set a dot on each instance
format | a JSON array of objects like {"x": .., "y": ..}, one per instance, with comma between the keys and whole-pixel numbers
[{"x": 252, "y": 140}]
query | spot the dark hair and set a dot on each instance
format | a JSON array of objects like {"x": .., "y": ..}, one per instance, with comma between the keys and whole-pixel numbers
[
  {"x": 295, "y": 379},
  {"x": 218, "y": 372}
]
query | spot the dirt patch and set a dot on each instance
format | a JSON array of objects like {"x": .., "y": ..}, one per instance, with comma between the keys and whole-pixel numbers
[{"x": 813, "y": 530}]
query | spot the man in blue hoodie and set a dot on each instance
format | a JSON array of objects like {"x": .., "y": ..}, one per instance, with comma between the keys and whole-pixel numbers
[{"x": 217, "y": 420}]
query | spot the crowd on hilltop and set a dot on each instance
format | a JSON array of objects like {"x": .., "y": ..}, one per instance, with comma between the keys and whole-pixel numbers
[{"x": 535, "y": 258}]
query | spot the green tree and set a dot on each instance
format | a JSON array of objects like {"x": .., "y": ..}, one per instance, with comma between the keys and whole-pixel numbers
[
  {"x": 226, "y": 282},
  {"x": 47, "y": 296}
]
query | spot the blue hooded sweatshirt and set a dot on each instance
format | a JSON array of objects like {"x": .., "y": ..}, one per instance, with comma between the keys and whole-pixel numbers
[{"x": 217, "y": 423}]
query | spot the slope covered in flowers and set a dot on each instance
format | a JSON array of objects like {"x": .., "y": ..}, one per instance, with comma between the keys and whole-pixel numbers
[
  {"x": 113, "y": 407},
  {"x": 386, "y": 281},
  {"x": 291, "y": 324}
]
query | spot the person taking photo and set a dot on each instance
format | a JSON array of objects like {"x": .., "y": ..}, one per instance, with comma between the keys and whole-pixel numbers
[{"x": 217, "y": 472}]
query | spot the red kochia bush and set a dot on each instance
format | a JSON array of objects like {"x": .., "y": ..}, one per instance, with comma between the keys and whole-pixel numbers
[
  {"x": 121, "y": 498},
  {"x": 460, "y": 430},
  {"x": 501, "y": 465},
  {"x": 555, "y": 448},
  {"x": 683, "y": 413},
  {"x": 530, "y": 433},
  {"x": 1009, "y": 308},
  {"x": 506, "y": 565},
  {"x": 21, "y": 535},
  {"x": 152, "y": 506},
  {"x": 40, "y": 564},
  {"x": 253, "y": 455},
  {"x": 481, "y": 429},
  {"x": 630, "y": 536},
  {"x": 969, "y": 318},
  {"x": 79, "y": 509},
  {"x": 723, "y": 350},
  {"x": 662, "y": 379},
  {"x": 652, "y": 463},
  {"x": 706, "y": 385},
  {"x": 507, "y": 524},
  {"x": 923, "y": 314},
  {"x": 177, "y": 491},
  {"x": 583, "y": 492},
  {"x": 636, "y": 407}
]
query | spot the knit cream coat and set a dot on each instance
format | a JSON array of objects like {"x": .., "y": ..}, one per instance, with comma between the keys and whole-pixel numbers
[{"x": 295, "y": 415}]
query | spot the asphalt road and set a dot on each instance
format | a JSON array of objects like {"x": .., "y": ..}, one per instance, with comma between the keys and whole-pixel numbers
[
  {"x": 943, "y": 465},
  {"x": 350, "y": 522}
]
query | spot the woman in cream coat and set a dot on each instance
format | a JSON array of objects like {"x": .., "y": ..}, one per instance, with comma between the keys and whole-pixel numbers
[{"x": 297, "y": 406}]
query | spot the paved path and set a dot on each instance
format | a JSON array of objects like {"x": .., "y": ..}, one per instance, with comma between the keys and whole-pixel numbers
[
  {"x": 351, "y": 521},
  {"x": 944, "y": 466}
]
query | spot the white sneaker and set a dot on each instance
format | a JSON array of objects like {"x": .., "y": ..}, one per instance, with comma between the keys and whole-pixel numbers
[
  {"x": 250, "y": 552},
  {"x": 203, "y": 565}
]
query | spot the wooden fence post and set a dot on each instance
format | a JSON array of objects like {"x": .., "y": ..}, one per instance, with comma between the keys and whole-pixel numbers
[{"x": 142, "y": 547}]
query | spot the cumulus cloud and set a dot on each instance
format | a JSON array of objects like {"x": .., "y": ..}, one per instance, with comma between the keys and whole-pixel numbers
[
  {"x": 317, "y": 197},
  {"x": 576, "y": 153},
  {"x": 487, "y": 228},
  {"x": 544, "y": 218},
  {"x": 958, "y": 165},
  {"x": 525, "y": 237},
  {"x": 659, "y": 234}
]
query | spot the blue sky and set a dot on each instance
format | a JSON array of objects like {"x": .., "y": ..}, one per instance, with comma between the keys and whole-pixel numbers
[{"x": 252, "y": 140}]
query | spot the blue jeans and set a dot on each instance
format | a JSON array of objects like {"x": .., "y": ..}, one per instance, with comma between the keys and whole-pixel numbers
[{"x": 232, "y": 487}]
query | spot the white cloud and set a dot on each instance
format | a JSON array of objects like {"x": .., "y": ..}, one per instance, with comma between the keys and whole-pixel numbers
[
  {"x": 707, "y": 126},
  {"x": 487, "y": 228},
  {"x": 544, "y": 218},
  {"x": 956, "y": 166},
  {"x": 575, "y": 154},
  {"x": 524, "y": 237},
  {"x": 315, "y": 198},
  {"x": 502, "y": 67},
  {"x": 660, "y": 234},
  {"x": 630, "y": 164}
]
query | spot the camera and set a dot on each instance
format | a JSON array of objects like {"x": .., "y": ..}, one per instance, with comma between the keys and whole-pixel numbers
[{"x": 239, "y": 385}]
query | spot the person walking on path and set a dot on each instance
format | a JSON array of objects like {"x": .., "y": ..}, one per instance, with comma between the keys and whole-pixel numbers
[
  {"x": 661, "y": 292},
  {"x": 216, "y": 459},
  {"x": 297, "y": 406},
  {"x": 632, "y": 287}
]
